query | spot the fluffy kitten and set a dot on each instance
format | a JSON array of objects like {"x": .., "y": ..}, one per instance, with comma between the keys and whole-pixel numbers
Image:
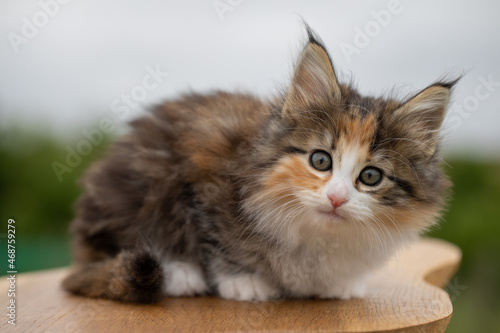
[{"x": 230, "y": 195}]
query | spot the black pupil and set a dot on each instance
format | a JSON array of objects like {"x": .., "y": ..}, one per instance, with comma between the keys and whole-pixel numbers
[
  {"x": 371, "y": 176},
  {"x": 321, "y": 161}
]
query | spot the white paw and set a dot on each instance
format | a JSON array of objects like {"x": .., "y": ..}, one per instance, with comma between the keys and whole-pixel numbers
[
  {"x": 246, "y": 287},
  {"x": 183, "y": 279},
  {"x": 346, "y": 290}
]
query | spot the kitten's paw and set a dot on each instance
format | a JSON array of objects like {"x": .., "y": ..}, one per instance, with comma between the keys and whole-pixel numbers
[
  {"x": 346, "y": 291},
  {"x": 246, "y": 287},
  {"x": 184, "y": 279}
]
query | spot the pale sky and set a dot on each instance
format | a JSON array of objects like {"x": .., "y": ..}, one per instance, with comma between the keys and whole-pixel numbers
[{"x": 75, "y": 60}]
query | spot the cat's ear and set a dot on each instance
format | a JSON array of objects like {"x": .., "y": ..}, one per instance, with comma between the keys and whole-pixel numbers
[
  {"x": 314, "y": 84},
  {"x": 423, "y": 114}
]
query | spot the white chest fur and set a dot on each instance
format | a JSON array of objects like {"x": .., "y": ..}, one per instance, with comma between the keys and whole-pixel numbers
[{"x": 333, "y": 266}]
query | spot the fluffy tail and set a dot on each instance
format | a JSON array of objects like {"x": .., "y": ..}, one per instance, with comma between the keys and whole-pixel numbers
[{"x": 128, "y": 277}]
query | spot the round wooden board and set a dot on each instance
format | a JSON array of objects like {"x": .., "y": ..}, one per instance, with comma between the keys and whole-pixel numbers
[{"x": 404, "y": 296}]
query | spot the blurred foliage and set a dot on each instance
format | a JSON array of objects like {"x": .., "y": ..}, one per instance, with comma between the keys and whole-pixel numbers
[
  {"x": 31, "y": 194},
  {"x": 473, "y": 223}
]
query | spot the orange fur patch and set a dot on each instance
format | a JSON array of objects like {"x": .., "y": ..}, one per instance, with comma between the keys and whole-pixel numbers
[
  {"x": 356, "y": 133},
  {"x": 294, "y": 172}
]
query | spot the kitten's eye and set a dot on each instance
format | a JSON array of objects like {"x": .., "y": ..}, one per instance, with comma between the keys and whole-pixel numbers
[
  {"x": 321, "y": 160},
  {"x": 370, "y": 176}
]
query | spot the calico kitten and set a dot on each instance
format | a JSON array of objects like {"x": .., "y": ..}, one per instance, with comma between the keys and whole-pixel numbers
[{"x": 230, "y": 195}]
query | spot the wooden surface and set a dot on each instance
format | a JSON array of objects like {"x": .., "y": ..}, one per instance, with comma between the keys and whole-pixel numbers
[{"x": 399, "y": 300}]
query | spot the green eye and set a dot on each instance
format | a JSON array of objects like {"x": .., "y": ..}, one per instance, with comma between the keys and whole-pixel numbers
[
  {"x": 370, "y": 176},
  {"x": 321, "y": 160}
]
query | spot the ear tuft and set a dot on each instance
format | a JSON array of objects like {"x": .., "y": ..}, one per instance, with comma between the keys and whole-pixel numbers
[
  {"x": 314, "y": 84},
  {"x": 423, "y": 114},
  {"x": 428, "y": 108},
  {"x": 313, "y": 37},
  {"x": 448, "y": 81}
]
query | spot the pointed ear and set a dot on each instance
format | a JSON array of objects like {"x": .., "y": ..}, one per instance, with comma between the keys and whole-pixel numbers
[
  {"x": 423, "y": 114},
  {"x": 314, "y": 83}
]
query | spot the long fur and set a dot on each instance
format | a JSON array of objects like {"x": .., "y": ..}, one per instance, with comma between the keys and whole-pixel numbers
[{"x": 215, "y": 193}]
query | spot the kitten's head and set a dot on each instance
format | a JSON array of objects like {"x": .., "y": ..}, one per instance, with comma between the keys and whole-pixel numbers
[{"x": 348, "y": 161}]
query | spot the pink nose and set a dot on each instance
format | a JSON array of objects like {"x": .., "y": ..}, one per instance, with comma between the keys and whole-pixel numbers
[{"x": 337, "y": 201}]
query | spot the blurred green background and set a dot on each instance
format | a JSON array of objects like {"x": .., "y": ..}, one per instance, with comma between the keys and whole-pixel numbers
[{"x": 41, "y": 205}]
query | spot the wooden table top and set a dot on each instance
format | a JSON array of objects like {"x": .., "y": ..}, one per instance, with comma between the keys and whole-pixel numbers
[{"x": 404, "y": 296}]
